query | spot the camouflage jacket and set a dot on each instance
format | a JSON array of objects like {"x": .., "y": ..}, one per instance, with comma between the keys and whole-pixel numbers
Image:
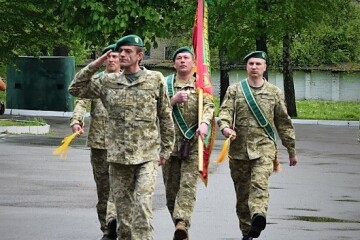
[
  {"x": 138, "y": 112},
  {"x": 252, "y": 141},
  {"x": 98, "y": 121},
  {"x": 189, "y": 111}
]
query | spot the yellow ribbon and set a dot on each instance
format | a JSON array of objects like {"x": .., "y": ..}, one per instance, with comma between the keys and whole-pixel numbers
[
  {"x": 63, "y": 148},
  {"x": 224, "y": 150}
]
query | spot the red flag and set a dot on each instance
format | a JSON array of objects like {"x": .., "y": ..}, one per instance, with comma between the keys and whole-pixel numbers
[
  {"x": 201, "y": 48},
  {"x": 203, "y": 82}
]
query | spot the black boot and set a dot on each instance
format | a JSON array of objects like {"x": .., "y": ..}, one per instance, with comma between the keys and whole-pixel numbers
[
  {"x": 112, "y": 229},
  {"x": 106, "y": 237},
  {"x": 247, "y": 238},
  {"x": 258, "y": 223}
]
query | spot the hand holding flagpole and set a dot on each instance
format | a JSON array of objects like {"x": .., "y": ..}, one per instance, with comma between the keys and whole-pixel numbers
[{"x": 203, "y": 83}]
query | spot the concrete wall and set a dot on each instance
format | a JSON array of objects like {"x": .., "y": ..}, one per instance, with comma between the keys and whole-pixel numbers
[{"x": 315, "y": 85}]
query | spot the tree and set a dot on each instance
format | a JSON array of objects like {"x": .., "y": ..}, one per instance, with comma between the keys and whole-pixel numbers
[
  {"x": 278, "y": 25},
  {"x": 32, "y": 27},
  {"x": 106, "y": 21},
  {"x": 295, "y": 16},
  {"x": 23, "y": 29}
]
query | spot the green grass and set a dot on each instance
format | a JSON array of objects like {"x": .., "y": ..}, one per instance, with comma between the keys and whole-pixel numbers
[
  {"x": 326, "y": 110},
  {"x": 322, "y": 110},
  {"x": 29, "y": 122}
]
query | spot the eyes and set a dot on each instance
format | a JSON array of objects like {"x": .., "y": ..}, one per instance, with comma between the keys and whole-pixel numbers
[
  {"x": 113, "y": 56},
  {"x": 255, "y": 63},
  {"x": 179, "y": 58},
  {"x": 126, "y": 50}
]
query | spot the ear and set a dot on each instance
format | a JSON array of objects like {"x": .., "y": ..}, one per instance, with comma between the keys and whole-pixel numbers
[{"x": 141, "y": 55}]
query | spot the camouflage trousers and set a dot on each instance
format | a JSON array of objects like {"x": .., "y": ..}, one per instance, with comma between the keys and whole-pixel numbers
[
  {"x": 133, "y": 187},
  {"x": 250, "y": 179},
  {"x": 180, "y": 179},
  {"x": 100, "y": 168}
]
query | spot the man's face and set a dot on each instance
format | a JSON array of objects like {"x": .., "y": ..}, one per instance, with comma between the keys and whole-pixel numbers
[
  {"x": 256, "y": 67},
  {"x": 184, "y": 62},
  {"x": 113, "y": 62},
  {"x": 129, "y": 56}
]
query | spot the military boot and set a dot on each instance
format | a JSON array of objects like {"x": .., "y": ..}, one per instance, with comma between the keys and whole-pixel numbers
[
  {"x": 181, "y": 232},
  {"x": 247, "y": 238},
  {"x": 112, "y": 229},
  {"x": 258, "y": 223},
  {"x": 106, "y": 237}
]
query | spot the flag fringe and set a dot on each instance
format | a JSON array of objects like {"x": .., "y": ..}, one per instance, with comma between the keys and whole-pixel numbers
[{"x": 207, "y": 152}]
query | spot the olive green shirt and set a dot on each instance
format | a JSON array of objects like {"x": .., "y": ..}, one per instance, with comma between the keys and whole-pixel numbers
[
  {"x": 252, "y": 141},
  {"x": 189, "y": 111},
  {"x": 140, "y": 125}
]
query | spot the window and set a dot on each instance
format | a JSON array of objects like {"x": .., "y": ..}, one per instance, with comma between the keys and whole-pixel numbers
[
  {"x": 169, "y": 52},
  {"x": 147, "y": 54}
]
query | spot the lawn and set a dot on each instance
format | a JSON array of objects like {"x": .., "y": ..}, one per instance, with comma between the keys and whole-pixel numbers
[
  {"x": 29, "y": 122},
  {"x": 323, "y": 110},
  {"x": 326, "y": 110}
]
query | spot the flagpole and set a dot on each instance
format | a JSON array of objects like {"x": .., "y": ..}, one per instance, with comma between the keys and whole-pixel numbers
[
  {"x": 200, "y": 75},
  {"x": 200, "y": 141}
]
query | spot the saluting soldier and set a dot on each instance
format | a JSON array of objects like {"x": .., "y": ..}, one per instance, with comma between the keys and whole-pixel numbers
[
  {"x": 140, "y": 132},
  {"x": 96, "y": 142},
  {"x": 257, "y": 108},
  {"x": 180, "y": 173}
]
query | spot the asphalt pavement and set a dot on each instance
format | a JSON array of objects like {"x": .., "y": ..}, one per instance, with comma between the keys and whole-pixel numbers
[{"x": 45, "y": 197}]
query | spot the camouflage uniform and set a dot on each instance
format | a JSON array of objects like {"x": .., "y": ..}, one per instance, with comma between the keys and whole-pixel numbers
[
  {"x": 180, "y": 175},
  {"x": 252, "y": 152},
  {"x": 141, "y": 130},
  {"x": 100, "y": 166}
]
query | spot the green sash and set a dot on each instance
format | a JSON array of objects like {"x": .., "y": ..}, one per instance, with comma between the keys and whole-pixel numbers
[
  {"x": 188, "y": 132},
  {"x": 256, "y": 110}
]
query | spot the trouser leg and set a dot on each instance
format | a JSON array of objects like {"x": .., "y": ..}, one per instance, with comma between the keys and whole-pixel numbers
[{"x": 100, "y": 168}]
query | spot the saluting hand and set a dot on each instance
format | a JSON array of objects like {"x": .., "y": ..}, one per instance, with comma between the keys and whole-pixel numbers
[{"x": 100, "y": 60}]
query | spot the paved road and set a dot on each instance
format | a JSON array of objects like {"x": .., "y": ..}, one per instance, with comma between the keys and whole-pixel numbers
[{"x": 44, "y": 197}]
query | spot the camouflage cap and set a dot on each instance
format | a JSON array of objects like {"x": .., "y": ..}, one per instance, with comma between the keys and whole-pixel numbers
[
  {"x": 255, "y": 54},
  {"x": 182, "y": 49},
  {"x": 110, "y": 47},
  {"x": 129, "y": 40}
]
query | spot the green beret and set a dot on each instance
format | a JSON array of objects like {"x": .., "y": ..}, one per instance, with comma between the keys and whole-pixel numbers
[
  {"x": 255, "y": 54},
  {"x": 129, "y": 40},
  {"x": 110, "y": 47},
  {"x": 182, "y": 49}
]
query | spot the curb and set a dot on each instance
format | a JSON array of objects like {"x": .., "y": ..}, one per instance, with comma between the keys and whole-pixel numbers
[
  {"x": 23, "y": 112},
  {"x": 327, "y": 122},
  {"x": 25, "y": 129}
]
